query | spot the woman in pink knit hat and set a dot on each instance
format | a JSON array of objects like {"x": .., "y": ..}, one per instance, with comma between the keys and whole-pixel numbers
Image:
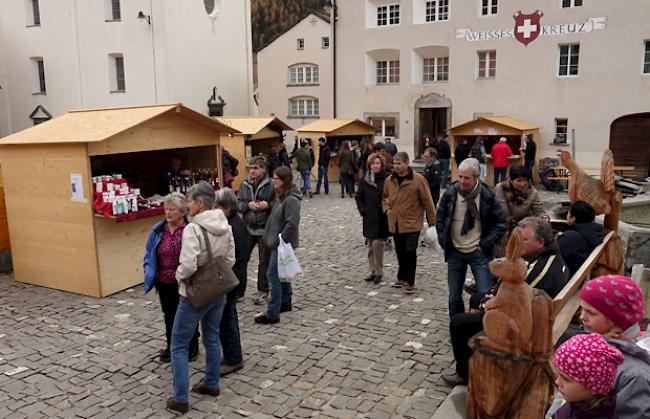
[
  {"x": 612, "y": 306},
  {"x": 587, "y": 367}
]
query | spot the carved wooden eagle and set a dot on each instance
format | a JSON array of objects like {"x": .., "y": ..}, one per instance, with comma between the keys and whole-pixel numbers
[{"x": 582, "y": 187}]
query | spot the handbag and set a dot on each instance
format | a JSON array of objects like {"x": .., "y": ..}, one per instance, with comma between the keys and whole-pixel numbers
[
  {"x": 289, "y": 268},
  {"x": 212, "y": 280}
]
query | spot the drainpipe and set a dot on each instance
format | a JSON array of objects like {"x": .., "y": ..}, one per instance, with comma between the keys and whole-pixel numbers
[{"x": 331, "y": 5}]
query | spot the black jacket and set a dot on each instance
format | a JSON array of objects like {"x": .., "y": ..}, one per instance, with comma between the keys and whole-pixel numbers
[
  {"x": 433, "y": 175},
  {"x": 577, "y": 243},
  {"x": 444, "y": 151},
  {"x": 375, "y": 223},
  {"x": 493, "y": 223},
  {"x": 323, "y": 155},
  {"x": 462, "y": 152},
  {"x": 529, "y": 152},
  {"x": 240, "y": 234}
]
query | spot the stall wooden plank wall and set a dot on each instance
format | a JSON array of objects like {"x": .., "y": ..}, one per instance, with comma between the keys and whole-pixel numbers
[
  {"x": 4, "y": 226},
  {"x": 164, "y": 132},
  {"x": 53, "y": 237},
  {"x": 120, "y": 250}
]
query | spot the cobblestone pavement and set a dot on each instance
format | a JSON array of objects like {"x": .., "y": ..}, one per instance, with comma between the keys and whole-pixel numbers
[{"x": 348, "y": 350}]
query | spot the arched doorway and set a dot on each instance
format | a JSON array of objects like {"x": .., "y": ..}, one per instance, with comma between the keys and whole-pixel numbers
[
  {"x": 629, "y": 140},
  {"x": 432, "y": 117}
]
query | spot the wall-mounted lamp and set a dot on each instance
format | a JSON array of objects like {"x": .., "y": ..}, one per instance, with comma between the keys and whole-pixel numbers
[{"x": 141, "y": 15}]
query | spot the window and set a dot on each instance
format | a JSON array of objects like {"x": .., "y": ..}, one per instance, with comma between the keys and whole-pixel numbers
[
  {"x": 39, "y": 75},
  {"x": 436, "y": 10},
  {"x": 209, "y": 6},
  {"x": 33, "y": 10},
  {"x": 568, "y": 65},
  {"x": 489, "y": 7},
  {"x": 304, "y": 107},
  {"x": 435, "y": 69},
  {"x": 388, "y": 15},
  {"x": 487, "y": 64},
  {"x": 113, "y": 10},
  {"x": 571, "y": 3},
  {"x": 385, "y": 126},
  {"x": 561, "y": 130},
  {"x": 300, "y": 43},
  {"x": 646, "y": 58},
  {"x": 303, "y": 74},
  {"x": 116, "y": 73},
  {"x": 325, "y": 42},
  {"x": 388, "y": 72}
]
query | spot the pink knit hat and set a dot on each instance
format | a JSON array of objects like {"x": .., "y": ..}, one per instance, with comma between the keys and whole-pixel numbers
[
  {"x": 589, "y": 360},
  {"x": 617, "y": 297}
]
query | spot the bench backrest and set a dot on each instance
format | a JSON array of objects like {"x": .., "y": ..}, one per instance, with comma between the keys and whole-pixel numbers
[{"x": 566, "y": 303}]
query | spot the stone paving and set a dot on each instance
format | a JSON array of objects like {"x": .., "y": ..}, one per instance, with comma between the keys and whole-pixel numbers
[{"x": 348, "y": 350}]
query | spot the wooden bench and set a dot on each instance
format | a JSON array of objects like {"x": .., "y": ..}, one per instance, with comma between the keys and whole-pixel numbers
[{"x": 566, "y": 303}]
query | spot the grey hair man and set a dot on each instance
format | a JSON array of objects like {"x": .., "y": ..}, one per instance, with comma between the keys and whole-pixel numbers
[
  {"x": 254, "y": 202},
  {"x": 406, "y": 199},
  {"x": 470, "y": 222}
]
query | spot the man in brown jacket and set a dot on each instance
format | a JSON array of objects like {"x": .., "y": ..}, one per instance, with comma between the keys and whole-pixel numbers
[{"x": 406, "y": 199}]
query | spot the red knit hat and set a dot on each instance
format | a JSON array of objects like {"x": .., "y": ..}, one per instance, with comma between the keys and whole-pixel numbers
[
  {"x": 589, "y": 360},
  {"x": 617, "y": 297}
]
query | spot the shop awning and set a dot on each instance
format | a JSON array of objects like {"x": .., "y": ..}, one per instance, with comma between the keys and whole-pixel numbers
[
  {"x": 254, "y": 125},
  {"x": 338, "y": 127},
  {"x": 95, "y": 125},
  {"x": 486, "y": 121}
]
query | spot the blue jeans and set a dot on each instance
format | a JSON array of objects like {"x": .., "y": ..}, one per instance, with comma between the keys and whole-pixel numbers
[
  {"x": 322, "y": 176},
  {"x": 306, "y": 184},
  {"x": 280, "y": 291},
  {"x": 445, "y": 172},
  {"x": 456, "y": 270},
  {"x": 187, "y": 318},
  {"x": 229, "y": 332}
]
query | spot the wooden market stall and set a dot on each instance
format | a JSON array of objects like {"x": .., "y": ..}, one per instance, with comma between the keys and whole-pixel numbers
[
  {"x": 257, "y": 133},
  {"x": 58, "y": 240},
  {"x": 335, "y": 131},
  {"x": 492, "y": 128}
]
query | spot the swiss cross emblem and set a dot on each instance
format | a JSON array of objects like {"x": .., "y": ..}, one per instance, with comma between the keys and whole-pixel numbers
[{"x": 527, "y": 27}]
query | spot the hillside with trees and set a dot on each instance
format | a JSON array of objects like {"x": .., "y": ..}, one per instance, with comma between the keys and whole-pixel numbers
[{"x": 272, "y": 18}]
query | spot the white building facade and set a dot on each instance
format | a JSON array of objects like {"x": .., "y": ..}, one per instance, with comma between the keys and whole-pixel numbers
[
  {"x": 414, "y": 68},
  {"x": 295, "y": 73},
  {"x": 58, "y": 55}
]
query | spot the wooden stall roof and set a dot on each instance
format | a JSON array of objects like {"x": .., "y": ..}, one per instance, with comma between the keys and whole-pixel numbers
[
  {"x": 95, "y": 125},
  {"x": 501, "y": 120},
  {"x": 251, "y": 125},
  {"x": 335, "y": 127}
]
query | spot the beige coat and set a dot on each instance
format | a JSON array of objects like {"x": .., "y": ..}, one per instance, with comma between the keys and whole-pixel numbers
[
  {"x": 406, "y": 204},
  {"x": 194, "y": 252}
]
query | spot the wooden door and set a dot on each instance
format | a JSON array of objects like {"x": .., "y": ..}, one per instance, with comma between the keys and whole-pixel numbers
[{"x": 629, "y": 140}]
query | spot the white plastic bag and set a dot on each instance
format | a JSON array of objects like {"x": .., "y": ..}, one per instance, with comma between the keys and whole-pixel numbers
[
  {"x": 289, "y": 268},
  {"x": 431, "y": 240}
]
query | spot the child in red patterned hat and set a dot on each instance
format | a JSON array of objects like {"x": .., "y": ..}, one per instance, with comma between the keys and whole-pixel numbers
[
  {"x": 587, "y": 370},
  {"x": 612, "y": 306}
]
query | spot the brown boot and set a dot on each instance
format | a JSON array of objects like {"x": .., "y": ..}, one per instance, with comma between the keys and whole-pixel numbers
[
  {"x": 201, "y": 389},
  {"x": 229, "y": 369},
  {"x": 178, "y": 407}
]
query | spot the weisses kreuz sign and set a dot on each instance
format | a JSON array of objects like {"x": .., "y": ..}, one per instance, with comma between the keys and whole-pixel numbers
[{"x": 528, "y": 27}]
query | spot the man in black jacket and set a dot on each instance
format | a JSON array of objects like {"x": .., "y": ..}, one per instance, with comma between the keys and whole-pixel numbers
[
  {"x": 546, "y": 271},
  {"x": 470, "y": 222},
  {"x": 444, "y": 155},
  {"x": 323, "y": 165},
  {"x": 529, "y": 156},
  {"x": 432, "y": 173},
  {"x": 582, "y": 237}
]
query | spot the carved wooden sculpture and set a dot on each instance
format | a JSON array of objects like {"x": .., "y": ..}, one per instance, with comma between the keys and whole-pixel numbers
[
  {"x": 602, "y": 195},
  {"x": 510, "y": 376},
  {"x": 583, "y": 187}
]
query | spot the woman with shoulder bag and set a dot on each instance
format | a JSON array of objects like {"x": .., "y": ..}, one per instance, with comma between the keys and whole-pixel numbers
[
  {"x": 375, "y": 223},
  {"x": 160, "y": 263},
  {"x": 194, "y": 254},
  {"x": 283, "y": 220}
]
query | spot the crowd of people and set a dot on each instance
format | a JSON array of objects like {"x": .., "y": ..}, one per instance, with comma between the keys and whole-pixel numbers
[{"x": 473, "y": 222}]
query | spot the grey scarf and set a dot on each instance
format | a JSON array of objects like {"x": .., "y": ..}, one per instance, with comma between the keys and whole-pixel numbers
[{"x": 472, "y": 214}]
